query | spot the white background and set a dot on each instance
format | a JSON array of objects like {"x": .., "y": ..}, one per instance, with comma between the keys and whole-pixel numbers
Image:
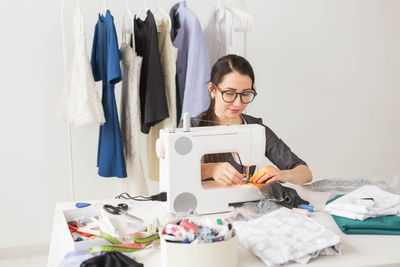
[{"x": 327, "y": 74}]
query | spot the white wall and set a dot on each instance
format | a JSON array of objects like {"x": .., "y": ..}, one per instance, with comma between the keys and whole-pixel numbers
[{"x": 327, "y": 74}]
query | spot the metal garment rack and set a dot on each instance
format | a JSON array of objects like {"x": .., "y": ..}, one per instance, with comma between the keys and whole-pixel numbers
[{"x": 64, "y": 49}]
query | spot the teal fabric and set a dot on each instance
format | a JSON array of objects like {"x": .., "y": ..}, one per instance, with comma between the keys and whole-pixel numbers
[{"x": 383, "y": 225}]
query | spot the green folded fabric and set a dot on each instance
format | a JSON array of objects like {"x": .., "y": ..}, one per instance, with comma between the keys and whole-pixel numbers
[{"x": 383, "y": 225}]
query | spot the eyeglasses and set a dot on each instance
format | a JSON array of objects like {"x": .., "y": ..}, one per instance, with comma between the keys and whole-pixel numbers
[{"x": 229, "y": 96}]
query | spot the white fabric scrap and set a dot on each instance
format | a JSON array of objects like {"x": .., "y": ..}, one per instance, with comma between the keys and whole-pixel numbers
[
  {"x": 385, "y": 203},
  {"x": 283, "y": 236}
]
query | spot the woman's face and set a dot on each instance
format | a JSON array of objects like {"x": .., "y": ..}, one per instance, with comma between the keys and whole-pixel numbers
[{"x": 231, "y": 81}]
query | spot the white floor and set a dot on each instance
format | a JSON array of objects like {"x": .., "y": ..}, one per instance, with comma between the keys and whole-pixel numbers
[{"x": 33, "y": 256}]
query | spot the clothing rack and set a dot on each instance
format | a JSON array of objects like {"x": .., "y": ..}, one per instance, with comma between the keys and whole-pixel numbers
[{"x": 64, "y": 49}]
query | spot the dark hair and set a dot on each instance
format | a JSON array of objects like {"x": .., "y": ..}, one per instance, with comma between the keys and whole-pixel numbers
[{"x": 223, "y": 66}]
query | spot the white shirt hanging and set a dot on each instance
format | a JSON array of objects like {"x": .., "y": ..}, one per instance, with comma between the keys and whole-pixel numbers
[
  {"x": 218, "y": 34},
  {"x": 80, "y": 101}
]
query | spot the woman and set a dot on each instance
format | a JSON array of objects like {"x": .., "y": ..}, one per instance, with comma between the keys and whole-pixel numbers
[{"x": 231, "y": 89}]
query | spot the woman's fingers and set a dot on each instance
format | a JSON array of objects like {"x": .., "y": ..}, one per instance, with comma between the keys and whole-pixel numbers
[
  {"x": 228, "y": 179},
  {"x": 224, "y": 180},
  {"x": 226, "y": 174},
  {"x": 237, "y": 177},
  {"x": 233, "y": 175},
  {"x": 267, "y": 176},
  {"x": 270, "y": 181},
  {"x": 258, "y": 175}
]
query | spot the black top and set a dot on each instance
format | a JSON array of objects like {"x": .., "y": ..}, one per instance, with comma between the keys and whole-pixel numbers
[
  {"x": 275, "y": 149},
  {"x": 153, "y": 101}
]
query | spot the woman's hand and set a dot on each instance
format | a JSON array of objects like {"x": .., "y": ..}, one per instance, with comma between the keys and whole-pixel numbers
[
  {"x": 268, "y": 175},
  {"x": 298, "y": 175},
  {"x": 222, "y": 172}
]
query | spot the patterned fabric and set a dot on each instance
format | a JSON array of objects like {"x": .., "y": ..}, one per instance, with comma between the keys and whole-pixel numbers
[
  {"x": 384, "y": 225},
  {"x": 283, "y": 236},
  {"x": 344, "y": 185},
  {"x": 130, "y": 120}
]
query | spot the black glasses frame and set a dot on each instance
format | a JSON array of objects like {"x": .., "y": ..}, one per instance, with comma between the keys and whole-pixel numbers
[{"x": 236, "y": 94}]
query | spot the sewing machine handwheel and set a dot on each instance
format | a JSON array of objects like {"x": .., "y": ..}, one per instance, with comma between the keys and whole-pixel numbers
[{"x": 184, "y": 202}]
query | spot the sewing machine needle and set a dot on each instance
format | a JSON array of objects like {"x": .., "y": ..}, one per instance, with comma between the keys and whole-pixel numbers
[{"x": 246, "y": 176}]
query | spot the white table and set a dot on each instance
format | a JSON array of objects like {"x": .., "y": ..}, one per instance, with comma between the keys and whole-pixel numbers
[{"x": 357, "y": 250}]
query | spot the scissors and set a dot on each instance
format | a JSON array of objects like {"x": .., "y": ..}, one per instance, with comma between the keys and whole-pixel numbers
[{"x": 121, "y": 208}]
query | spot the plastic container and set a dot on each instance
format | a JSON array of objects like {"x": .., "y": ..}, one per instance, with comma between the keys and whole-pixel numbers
[
  {"x": 217, "y": 254},
  {"x": 71, "y": 215}
]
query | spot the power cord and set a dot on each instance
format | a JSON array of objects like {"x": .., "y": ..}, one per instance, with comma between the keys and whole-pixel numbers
[{"x": 158, "y": 197}]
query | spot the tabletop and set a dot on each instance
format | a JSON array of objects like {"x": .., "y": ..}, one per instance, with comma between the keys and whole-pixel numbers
[{"x": 357, "y": 250}]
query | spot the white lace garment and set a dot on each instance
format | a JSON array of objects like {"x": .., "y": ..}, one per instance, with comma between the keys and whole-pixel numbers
[
  {"x": 131, "y": 63},
  {"x": 80, "y": 101}
]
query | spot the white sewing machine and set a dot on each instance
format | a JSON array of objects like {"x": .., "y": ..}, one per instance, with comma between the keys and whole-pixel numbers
[{"x": 180, "y": 152}]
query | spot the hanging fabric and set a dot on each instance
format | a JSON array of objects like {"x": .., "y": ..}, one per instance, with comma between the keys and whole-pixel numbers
[
  {"x": 193, "y": 67},
  {"x": 218, "y": 34},
  {"x": 169, "y": 54},
  {"x": 80, "y": 101},
  {"x": 153, "y": 100},
  {"x": 131, "y": 64},
  {"x": 105, "y": 65}
]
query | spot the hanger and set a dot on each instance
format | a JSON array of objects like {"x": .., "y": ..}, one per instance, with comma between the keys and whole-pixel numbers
[
  {"x": 221, "y": 4},
  {"x": 142, "y": 14},
  {"x": 249, "y": 17},
  {"x": 104, "y": 9},
  {"x": 127, "y": 31},
  {"x": 246, "y": 21},
  {"x": 160, "y": 14},
  {"x": 78, "y": 9}
]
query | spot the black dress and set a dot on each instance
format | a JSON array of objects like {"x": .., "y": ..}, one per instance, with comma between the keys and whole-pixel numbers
[{"x": 153, "y": 100}]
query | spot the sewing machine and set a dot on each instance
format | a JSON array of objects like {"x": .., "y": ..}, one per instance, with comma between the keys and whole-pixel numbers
[{"x": 180, "y": 152}]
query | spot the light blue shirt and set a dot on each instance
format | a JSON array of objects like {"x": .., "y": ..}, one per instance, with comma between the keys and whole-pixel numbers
[{"x": 193, "y": 68}]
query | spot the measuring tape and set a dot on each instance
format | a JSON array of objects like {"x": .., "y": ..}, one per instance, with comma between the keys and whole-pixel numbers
[
  {"x": 97, "y": 249},
  {"x": 147, "y": 239},
  {"x": 110, "y": 238},
  {"x": 140, "y": 243}
]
